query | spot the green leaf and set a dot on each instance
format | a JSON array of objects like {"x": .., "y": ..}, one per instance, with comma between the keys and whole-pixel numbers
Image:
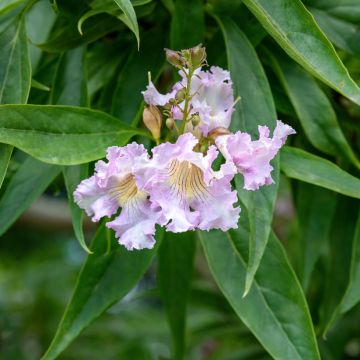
[
  {"x": 106, "y": 277},
  {"x": 315, "y": 209},
  {"x": 61, "y": 135},
  {"x": 301, "y": 165},
  {"x": 67, "y": 37},
  {"x": 69, "y": 88},
  {"x": 25, "y": 186},
  {"x": 175, "y": 266},
  {"x": 313, "y": 109},
  {"x": 133, "y": 77},
  {"x": 352, "y": 295},
  {"x": 187, "y": 25},
  {"x": 15, "y": 70},
  {"x": 343, "y": 34},
  {"x": 256, "y": 107},
  {"x": 69, "y": 84},
  {"x": 5, "y": 155},
  {"x": 337, "y": 277},
  {"x": 294, "y": 28},
  {"x": 129, "y": 12},
  {"x": 275, "y": 309}
]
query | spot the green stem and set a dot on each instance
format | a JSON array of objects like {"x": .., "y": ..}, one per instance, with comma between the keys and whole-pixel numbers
[{"x": 187, "y": 99}]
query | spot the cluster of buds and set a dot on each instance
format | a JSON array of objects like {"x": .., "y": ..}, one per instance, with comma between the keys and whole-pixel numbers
[
  {"x": 176, "y": 186},
  {"x": 190, "y": 58}
]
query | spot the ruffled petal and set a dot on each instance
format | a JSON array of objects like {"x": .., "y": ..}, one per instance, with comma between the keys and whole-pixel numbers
[
  {"x": 135, "y": 226},
  {"x": 182, "y": 183},
  {"x": 252, "y": 158},
  {"x": 94, "y": 200}
]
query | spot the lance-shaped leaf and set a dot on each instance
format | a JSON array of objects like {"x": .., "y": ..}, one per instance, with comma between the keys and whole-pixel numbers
[
  {"x": 301, "y": 165},
  {"x": 129, "y": 12},
  {"x": 294, "y": 28},
  {"x": 107, "y": 276},
  {"x": 69, "y": 88},
  {"x": 352, "y": 295},
  {"x": 15, "y": 75},
  {"x": 275, "y": 308},
  {"x": 26, "y": 185},
  {"x": 315, "y": 207},
  {"x": 175, "y": 265},
  {"x": 337, "y": 277},
  {"x": 256, "y": 107},
  {"x": 62, "y": 135},
  {"x": 313, "y": 109}
]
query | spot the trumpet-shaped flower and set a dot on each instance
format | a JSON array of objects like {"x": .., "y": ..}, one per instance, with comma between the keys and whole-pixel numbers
[
  {"x": 114, "y": 186},
  {"x": 190, "y": 194},
  {"x": 252, "y": 158}
]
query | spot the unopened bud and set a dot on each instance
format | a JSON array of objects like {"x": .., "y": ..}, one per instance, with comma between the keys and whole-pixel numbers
[
  {"x": 213, "y": 134},
  {"x": 172, "y": 101},
  {"x": 198, "y": 56},
  {"x": 180, "y": 95},
  {"x": 170, "y": 123},
  {"x": 195, "y": 120},
  {"x": 153, "y": 120},
  {"x": 174, "y": 58}
]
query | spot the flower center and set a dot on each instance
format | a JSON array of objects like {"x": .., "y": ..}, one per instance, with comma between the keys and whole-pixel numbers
[
  {"x": 126, "y": 190},
  {"x": 186, "y": 179}
]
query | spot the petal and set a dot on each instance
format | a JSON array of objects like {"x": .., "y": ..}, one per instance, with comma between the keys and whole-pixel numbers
[
  {"x": 252, "y": 158},
  {"x": 94, "y": 200},
  {"x": 153, "y": 97},
  {"x": 135, "y": 226}
]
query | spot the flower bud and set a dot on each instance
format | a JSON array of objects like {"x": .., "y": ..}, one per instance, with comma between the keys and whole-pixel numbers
[
  {"x": 198, "y": 56},
  {"x": 170, "y": 123},
  {"x": 174, "y": 58},
  {"x": 180, "y": 95},
  {"x": 213, "y": 134},
  {"x": 172, "y": 101},
  {"x": 153, "y": 120},
  {"x": 195, "y": 120}
]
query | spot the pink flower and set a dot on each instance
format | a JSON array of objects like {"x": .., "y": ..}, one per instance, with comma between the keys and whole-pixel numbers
[
  {"x": 252, "y": 158},
  {"x": 190, "y": 194},
  {"x": 212, "y": 98},
  {"x": 114, "y": 186}
]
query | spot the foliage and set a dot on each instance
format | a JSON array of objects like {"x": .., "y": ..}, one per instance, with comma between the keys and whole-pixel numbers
[{"x": 71, "y": 76}]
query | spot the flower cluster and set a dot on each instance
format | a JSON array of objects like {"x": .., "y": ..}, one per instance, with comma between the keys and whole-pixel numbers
[{"x": 177, "y": 186}]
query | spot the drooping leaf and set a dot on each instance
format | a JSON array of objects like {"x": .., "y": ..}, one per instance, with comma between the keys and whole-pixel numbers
[
  {"x": 187, "y": 25},
  {"x": 26, "y": 185},
  {"x": 129, "y": 12},
  {"x": 133, "y": 77},
  {"x": 61, "y": 135},
  {"x": 294, "y": 28},
  {"x": 106, "y": 277},
  {"x": 337, "y": 277},
  {"x": 256, "y": 107},
  {"x": 352, "y": 295},
  {"x": 175, "y": 265},
  {"x": 275, "y": 308},
  {"x": 315, "y": 209},
  {"x": 301, "y": 165},
  {"x": 68, "y": 37},
  {"x": 313, "y": 109}
]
